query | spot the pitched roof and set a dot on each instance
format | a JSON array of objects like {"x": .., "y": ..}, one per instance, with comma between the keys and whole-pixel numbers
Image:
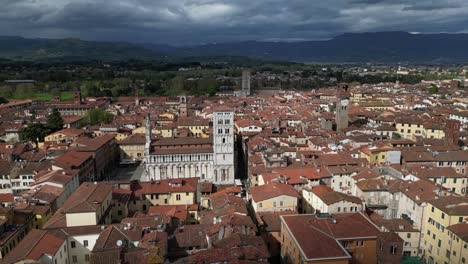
[
  {"x": 272, "y": 190},
  {"x": 329, "y": 196},
  {"x": 72, "y": 159},
  {"x": 460, "y": 229},
  {"x": 451, "y": 205},
  {"x": 87, "y": 198},
  {"x": 166, "y": 186},
  {"x": 318, "y": 237},
  {"x": 36, "y": 244}
]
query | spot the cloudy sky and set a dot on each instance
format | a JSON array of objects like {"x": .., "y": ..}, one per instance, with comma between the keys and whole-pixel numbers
[{"x": 182, "y": 22}]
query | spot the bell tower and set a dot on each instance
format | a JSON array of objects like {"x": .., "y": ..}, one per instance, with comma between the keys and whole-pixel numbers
[
  {"x": 223, "y": 147},
  {"x": 342, "y": 107},
  {"x": 183, "y": 106},
  {"x": 148, "y": 136}
]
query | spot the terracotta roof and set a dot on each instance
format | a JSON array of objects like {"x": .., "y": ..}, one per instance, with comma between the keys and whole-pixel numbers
[
  {"x": 329, "y": 196},
  {"x": 272, "y": 190},
  {"x": 318, "y": 237},
  {"x": 224, "y": 204},
  {"x": 451, "y": 205},
  {"x": 7, "y": 198},
  {"x": 36, "y": 244},
  {"x": 307, "y": 172},
  {"x": 72, "y": 159},
  {"x": 134, "y": 139},
  {"x": 396, "y": 225},
  {"x": 87, "y": 198},
  {"x": 166, "y": 186},
  {"x": 191, "y": 236},
  {"x": 460, "y": 229},
  {"x": 175, "y": 211},
  {"x": 311, "y": 241}
]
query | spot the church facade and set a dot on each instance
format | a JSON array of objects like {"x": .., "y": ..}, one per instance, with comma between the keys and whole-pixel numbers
[{"x": 210, "y": 159}]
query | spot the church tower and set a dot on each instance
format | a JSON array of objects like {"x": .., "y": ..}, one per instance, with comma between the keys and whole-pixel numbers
[
  {"x": 148, "y": 136},
  {"x": 223, "y": 147},
  {"x": 183, "y": 106},
  {"x": 246, "y": 83},
  {"x": 342, "y": 107}
]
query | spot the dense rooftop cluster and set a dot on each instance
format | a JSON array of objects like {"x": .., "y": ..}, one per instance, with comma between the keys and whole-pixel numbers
[{"x": 343, "y": 174}]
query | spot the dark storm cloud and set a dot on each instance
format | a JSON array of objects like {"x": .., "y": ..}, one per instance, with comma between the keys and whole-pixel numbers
[{"x": 199, "y": 21}]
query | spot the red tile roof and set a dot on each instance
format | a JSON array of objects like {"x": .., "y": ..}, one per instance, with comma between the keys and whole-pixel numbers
[{"x": 272, "y": 190}]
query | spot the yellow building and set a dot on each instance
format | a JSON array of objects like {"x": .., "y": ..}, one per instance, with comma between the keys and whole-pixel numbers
[
  {"x": 274, "y": 197},
  {"x": 376, "y": 105},
  {"x": 198, "y": 127},
  {"x": 356, "y": 96},
  {"x": 458, "y": 235},
  {"x": 448, "y": 177},
  {"x": 90, "y": 204},
  {"x": 132, "y": 147},
  {"x": 68, "y": 134},
  {"x": 180, "y": 191},
  {"x": 375, "y": 155},
  {"x": 166, "y": 131},
  {"x": 439, "y": 244},
  {"x": 119, "y": 134},
  {"x": 434, "y": 130},
  {"x": 409, "y": 128}
]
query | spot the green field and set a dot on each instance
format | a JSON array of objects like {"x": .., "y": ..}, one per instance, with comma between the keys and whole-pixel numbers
[{"x": 41, "y": 96}]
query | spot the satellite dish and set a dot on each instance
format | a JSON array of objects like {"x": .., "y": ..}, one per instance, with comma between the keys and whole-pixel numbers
[{"x": 119, "y": 243}]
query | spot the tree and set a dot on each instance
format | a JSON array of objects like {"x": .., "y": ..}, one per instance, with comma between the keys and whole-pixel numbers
[
  {"x": 55, "y": 121},
  {"x": 34, "y": 133},
  {"x": 434, "y": 89},
  {"x": 96, "y": 117}
]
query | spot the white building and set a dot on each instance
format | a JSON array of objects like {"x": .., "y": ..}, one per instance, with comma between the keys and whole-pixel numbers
[
  {"x": 325, "y": 200},
  {"x": 209, "y": 159}
]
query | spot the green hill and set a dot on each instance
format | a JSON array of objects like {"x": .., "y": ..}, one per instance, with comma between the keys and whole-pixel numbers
[{"x": 18, "y": 48}]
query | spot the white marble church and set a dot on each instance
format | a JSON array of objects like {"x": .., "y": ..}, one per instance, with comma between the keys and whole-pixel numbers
[{"x": 211, "y": 159}]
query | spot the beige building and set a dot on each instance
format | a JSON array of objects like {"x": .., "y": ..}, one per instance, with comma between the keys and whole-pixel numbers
[
  {"x": 439, "y": 242},
  {"x": 181, "y": 191},
  {"x": 90, "y": 204},
  {"x": 132, "y": 148},
  {"x": 274, "y": 197},
  {"x": 322, "y": 199}
]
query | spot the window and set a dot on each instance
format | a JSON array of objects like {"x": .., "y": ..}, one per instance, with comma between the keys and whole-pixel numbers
[
  {"x": 85, "y": 243},
  {"x": 73, "y": 244},
  {"x": 74, "y": 259},
  {"x": 443, "y": 215},
  {"x": 86, "y": 257},
  {"x": 260, "y": 205},
  {"x": 432, "y": 209},
  {"x": 281, "y": 203},
  {"x": 409, "y": 235},
  {"x": 274, "y": 204},
  {"x": 393, "y": 250},
  {"x": 178, "y": 197}
]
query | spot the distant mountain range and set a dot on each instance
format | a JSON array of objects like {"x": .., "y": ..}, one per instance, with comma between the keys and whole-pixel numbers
[{"x": 380, "y": 47}]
